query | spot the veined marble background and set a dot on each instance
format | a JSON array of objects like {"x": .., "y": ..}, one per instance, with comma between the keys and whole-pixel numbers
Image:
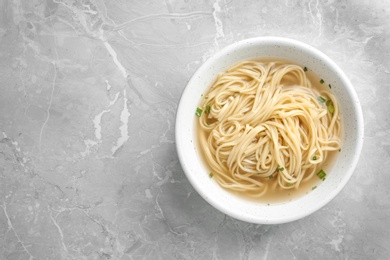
[{"x": 88, "y": 97}]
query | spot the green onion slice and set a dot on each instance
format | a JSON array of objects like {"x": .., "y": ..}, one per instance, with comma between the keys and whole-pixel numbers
[
  {"x": 207, "y": 110},
  {"x": 321, "y": 99},
  {"x": 198, "y": 111},
  {"x": 321, "y": 174},
  {"x": 330, "y": 107},
  {"x": 211, "y": 175},
  {"x": 322, "y": 81}
]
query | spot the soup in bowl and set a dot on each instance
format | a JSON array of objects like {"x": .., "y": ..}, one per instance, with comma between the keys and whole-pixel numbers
[{"x": 260, "y": 130}]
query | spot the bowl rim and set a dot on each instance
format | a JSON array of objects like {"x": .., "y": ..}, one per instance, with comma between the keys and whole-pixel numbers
[{"x": 271, "y": 40}]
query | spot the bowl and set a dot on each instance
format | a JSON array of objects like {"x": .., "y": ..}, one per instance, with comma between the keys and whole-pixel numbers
[{"x": 255, "y": 211}]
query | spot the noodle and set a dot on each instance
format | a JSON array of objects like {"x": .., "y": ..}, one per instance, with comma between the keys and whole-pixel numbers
[{"x": 263, "y": 127}]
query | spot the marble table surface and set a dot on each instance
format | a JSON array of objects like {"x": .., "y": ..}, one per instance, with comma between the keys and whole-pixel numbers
[{"x": 88, "y": 97}]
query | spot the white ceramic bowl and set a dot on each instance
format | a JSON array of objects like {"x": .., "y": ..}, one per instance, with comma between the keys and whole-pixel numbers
[{"x": 257, "y": 212}]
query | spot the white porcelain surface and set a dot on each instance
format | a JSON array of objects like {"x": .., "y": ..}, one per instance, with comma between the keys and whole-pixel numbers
[
  {"x": 298, "y": 53},
  {"x": 88, "y": 98}
]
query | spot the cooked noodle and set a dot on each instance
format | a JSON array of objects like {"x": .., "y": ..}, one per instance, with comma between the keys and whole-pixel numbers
[{"x": 263, "y": 127}]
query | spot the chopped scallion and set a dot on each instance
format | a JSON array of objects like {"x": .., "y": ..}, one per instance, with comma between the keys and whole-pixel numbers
[
  {"x": 314, "y": 187},
  {"x": 321, "y": 174},
  {"x": 314, "y": 157},
  {"x": 321, "y": 99},
  {"x": 305, "y": 69},
  {"x": 198, "y": 112},
  {"x": 279, "y": 169},
  {"x": 207, "y": 110},
  {"x": 330, "y": 86},
  {"x": 211, "y": 175},
  {"x": 271, "y": 176},
  {"x": 322, "y": 81},
  {"x": 330, "y": 107}
]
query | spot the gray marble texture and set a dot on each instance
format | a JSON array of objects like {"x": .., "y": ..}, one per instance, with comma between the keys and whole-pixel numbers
[{"x": 88, "y": 97}]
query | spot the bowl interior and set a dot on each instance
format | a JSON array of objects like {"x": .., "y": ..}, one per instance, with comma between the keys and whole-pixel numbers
[{"x": 257, "y": 212}]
